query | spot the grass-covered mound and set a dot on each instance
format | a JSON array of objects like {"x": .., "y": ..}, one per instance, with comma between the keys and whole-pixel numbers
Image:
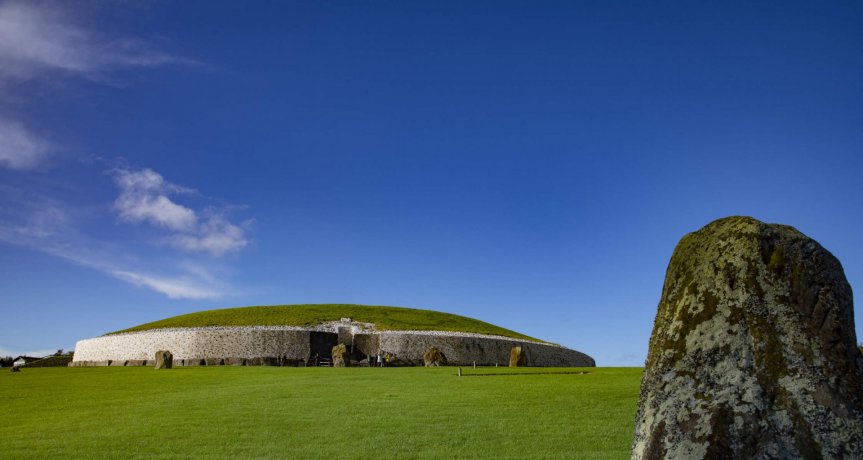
[{"x": 385, "y": 318}]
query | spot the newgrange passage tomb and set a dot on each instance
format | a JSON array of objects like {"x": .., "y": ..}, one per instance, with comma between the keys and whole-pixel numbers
[{"x": 292, "y": 335}]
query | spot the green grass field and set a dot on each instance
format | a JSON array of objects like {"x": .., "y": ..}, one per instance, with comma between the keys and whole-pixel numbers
[
  {"x": 273, "y": 412},
  {"x": 385, "y": 318}
]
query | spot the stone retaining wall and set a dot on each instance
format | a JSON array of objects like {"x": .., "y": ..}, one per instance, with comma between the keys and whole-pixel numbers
[
  {"x": 284, "y": 345},
  {"x": 485, "y": 351},
  {"x": 191, "y": 346}
]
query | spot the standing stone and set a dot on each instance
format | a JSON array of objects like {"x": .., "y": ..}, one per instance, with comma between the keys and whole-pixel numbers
[
  {"x": 164, "y": 359},
  {"x": 341, "y": 357},
  {"x": 434, "y": 357},
  {"x": 753, "y": 352},
  {"x": 517, "y": 357}
]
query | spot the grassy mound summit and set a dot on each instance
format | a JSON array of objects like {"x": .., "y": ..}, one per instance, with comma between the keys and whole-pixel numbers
[{"x": 385, "y": 318}]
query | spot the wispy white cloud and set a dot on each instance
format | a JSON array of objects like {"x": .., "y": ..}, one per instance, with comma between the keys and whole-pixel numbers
[
  {"x": 145, "y": 197},
  {"x": 46, "y": 226},
  {"x": 174, "y": 288},
  {"x": 216, "y": 236},
  {"x": 42, "y": 41},
  {"x": 36, "y": 39},
  {"x": 24, "y": 222},
  {"x": 19, "y": 148}
]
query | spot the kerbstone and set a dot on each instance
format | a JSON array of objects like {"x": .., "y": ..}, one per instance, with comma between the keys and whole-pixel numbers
[
  {"x": 433, "y": 358},
  {"x": 164, "y": 359},
  {"x": 341, "y": 357},
  {"x": 517, "y": 357}
]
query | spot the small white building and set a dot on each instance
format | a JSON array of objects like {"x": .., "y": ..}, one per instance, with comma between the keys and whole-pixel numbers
[{"x": 22, "y": 360}]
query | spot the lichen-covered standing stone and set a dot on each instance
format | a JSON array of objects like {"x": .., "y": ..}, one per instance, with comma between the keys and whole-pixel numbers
[{"x": 753, "y": 352}]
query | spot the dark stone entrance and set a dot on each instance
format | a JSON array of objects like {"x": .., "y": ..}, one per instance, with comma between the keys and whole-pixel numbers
[{"x": 321, "y": 347}]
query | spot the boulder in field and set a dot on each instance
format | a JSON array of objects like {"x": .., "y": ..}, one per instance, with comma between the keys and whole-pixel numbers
[
  {"x": 341, "y": 357},
  {"x": 164, "y": 359},
  {"x": 517, "y": 357},
  {"x": 753, "y": 352},
  {"x": 434, "y": 357}
]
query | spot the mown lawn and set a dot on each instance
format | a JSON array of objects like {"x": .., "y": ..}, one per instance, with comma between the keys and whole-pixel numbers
[{"x": 256, "y": 412}]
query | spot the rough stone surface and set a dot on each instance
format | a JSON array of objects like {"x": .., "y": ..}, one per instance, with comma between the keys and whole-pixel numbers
[
  {"x": 194, "y": 344},
  {"x": 517, "y": 357},
  {"x": 164, "y": 359},
  {"x": 367, "y": 344},
  {"x": 465, "y": 349},
  {"x": 753, "y": 352},
  {"x": 341, "y": 356},
  {"x": 433, "y": 357},
  {"x": 278, "y": 345}
]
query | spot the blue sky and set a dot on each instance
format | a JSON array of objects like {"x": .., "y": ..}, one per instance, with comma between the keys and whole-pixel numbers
[{"x": 531, "y": 164}]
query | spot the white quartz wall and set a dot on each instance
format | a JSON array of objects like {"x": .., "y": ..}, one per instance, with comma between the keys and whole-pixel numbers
[
  {"x": 292, "y": 343},
  {"x": 465, "y": 349},
  {"x": 197, "y": 343}
]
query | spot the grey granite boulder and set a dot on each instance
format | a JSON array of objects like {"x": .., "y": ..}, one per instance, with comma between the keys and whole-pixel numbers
[
  {"x": 164, "y": 359},
  {"x": 753, "y": 352},
  {"x": 433, "y": 357}
]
